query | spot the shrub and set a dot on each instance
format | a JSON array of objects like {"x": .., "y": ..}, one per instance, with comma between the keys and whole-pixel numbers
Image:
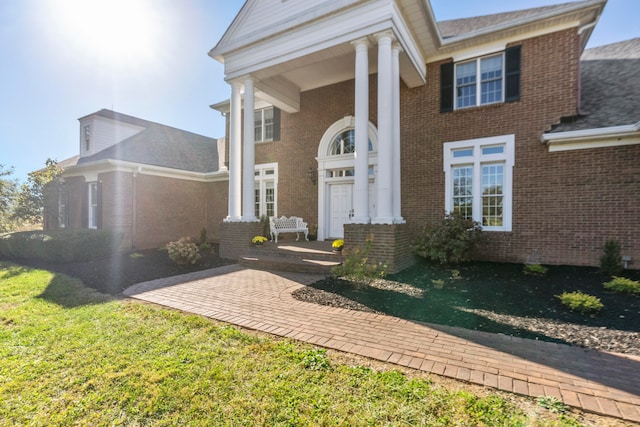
[
  {"x": 535, "y": 270},
  {"x": 622, "y": 284},
  {"x": 450, "y": 242},
  {"x": 356, "y": 264},
  {"x": 60, "y": 245},
  {"x": 611, "y": 260},
  {"x": 583, "y": 303},
  {"x": 183, "y": 252}
]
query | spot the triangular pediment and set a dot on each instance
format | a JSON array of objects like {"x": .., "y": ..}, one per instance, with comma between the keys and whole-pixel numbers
[{"x": 261, "y": 19}]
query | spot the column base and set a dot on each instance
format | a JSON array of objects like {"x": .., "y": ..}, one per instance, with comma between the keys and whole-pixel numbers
[
  {"x": 363, "y": 220},
  {"x": 235, "y": 238},
  {"x": 391, "y": 243}
]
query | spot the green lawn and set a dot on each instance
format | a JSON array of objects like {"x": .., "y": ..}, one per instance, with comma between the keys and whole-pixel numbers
[{"x": 72, "y": 356}]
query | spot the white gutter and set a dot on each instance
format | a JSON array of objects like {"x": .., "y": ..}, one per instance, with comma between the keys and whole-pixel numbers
[
  {"x": 593, "y": 138},
  {"x": 111, "y": 165}
]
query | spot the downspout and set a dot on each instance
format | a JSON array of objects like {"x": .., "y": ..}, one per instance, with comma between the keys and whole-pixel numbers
[{"x": 134, "y": 206}]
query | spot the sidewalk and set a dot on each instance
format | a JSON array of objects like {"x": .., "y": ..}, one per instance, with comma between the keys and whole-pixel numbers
[{"x": 604, "y": 383}]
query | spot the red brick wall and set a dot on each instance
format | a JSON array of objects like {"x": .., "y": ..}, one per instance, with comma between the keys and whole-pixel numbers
[{"x": 565, "y": 205}]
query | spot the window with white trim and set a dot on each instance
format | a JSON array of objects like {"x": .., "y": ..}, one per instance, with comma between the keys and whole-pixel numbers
[
  {"x": 479, "y": 180},
  {"x": 92, "y": 200},
  {"x": 263, "y": 122},
  {"x": 266, "y": 189},
  {"x": 480, "y": 81}
]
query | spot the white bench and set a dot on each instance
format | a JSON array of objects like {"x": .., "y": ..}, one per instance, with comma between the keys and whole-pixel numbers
[{"x": 293, "y": 224}]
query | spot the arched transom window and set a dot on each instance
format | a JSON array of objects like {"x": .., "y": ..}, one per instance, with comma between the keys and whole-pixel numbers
[{"x": 345, "y": 143}]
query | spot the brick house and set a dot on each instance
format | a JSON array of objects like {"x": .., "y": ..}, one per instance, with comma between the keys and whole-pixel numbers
[
  {"x": 502, "y": 118},
  {"x": 150, "y": 182},
  {"x": 487, "y": 117}
]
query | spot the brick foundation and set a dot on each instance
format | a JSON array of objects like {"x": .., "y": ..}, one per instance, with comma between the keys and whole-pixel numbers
[
  {"x": 391, "y": 243},
  {"x": 235, "y": 238}
]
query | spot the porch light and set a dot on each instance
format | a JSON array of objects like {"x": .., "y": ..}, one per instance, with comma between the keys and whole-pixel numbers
[{"x": 312, "y": 175}]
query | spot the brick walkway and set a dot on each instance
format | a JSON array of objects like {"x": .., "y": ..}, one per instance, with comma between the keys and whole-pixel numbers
[{"x": 599, "y": 382}]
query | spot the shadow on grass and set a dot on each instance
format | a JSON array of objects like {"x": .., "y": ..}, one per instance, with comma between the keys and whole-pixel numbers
[{"x": 68, "y": 292}]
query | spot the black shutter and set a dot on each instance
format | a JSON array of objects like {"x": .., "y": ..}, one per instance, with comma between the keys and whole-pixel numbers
[
  {"x": 512, "y": 74},
  {"x": 99, "y": 206},
  {"x": 276, "y": 124},
  {"x": 446, "y": 87}
]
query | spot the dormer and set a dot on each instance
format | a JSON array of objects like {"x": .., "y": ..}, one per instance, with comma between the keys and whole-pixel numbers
[{"x": 105, "y": 128}]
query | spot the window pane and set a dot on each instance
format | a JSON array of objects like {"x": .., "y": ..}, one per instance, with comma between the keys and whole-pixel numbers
[
  {"x": 270, "y": 198},
  {"x": 491, "y": 78},
  {"x": 257, "y": 118},
  {"x": 463, "y": 191},
  {"x": 465, "y": 152},
  {"x": 497, "y": 149},
  {"x": 268, "y": 124},
  {"x": 466, "y": 84},
  {"x": 257, "y": 191},
  {"x": 492, "y": 195},
  {"x": 343, "y": 143}
]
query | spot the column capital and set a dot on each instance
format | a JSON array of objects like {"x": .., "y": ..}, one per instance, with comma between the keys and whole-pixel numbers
[
  {"x": 384, "y": 35},
  {"x": 396, "y": 49},
  {"x": 364, "y": 41}
]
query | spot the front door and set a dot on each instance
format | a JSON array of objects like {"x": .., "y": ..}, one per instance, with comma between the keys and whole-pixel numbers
[{"x": 340, "y": 208}]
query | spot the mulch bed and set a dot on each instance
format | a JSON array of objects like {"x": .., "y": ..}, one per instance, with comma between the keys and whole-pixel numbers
[{"x": 495, "y": 298}]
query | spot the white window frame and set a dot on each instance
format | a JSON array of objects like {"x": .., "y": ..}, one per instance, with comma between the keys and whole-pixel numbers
[
  {"x": 263, "y": 126},
  {"x": 478, "y": 82},
  {"x": 92, "y": 208},
  {"x": 477, "y": 160},
  {"x": 264, "y": 174},
  {"x": 62, "y": 206}
]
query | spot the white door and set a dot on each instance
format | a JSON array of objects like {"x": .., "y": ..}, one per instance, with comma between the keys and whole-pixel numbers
[{"x": 340, "y": 208}]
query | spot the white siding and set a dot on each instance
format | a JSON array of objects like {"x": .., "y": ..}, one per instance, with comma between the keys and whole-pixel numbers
[{"x": 104, "y": 133}]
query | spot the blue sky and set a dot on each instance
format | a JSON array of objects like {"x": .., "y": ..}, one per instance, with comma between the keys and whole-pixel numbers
[{"x": 63, "y": 59}]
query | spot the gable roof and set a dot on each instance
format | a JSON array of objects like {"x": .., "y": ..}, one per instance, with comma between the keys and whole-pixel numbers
[
  {"x": 159, "y": 145},
  {"x": 610, "y": 88}
]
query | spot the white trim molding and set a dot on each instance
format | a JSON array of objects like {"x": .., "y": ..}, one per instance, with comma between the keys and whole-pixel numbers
[
  {"x": 592, "y": 138},
  {"x": 476, "y": 153}
]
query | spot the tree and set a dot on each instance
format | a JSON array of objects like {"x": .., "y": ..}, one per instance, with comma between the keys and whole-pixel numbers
[
  {"x": 30, "y": 201},
  {"x": 7, "y": 197}
]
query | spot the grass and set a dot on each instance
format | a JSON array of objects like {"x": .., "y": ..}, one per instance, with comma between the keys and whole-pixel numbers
[{"x": 73, "y": 356}]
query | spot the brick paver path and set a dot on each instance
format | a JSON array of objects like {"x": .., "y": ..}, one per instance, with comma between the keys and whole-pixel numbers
[{"x": 599, "y": 382}]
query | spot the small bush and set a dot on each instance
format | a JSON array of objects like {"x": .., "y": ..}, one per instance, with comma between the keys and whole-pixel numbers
[
  {"x": 450, "y": 242},
  {"x": 337, "y": 244},
  {"x": 183, "y": 252},
  {"x": 535, "y": 270},
  {"x": 611, "y": 260},
  {"x": 356, "y": 264},
  {"x": 622, "y": 284},
  {"x": 60, "y": 245},
  {"x": 582, "y": 303}
]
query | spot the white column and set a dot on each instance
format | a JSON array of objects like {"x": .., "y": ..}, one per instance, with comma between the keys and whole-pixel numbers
[
  {"x": 395, "y": 105},
  {"x": 361, "y": 179},
  {"x": 249, "y": 154},
  {"x": 235, "y": 161},
  {"x": 384, "y": 180}
]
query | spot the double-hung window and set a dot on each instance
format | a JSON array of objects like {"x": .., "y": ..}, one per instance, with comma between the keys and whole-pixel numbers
[
  {"x": 480, "y": 81},
  {"x": 92, "y": 199},
  {"x": 479, "y": 180},
  {"x": 263, "y": 122},
  {"x": 266, "y": 178}
]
